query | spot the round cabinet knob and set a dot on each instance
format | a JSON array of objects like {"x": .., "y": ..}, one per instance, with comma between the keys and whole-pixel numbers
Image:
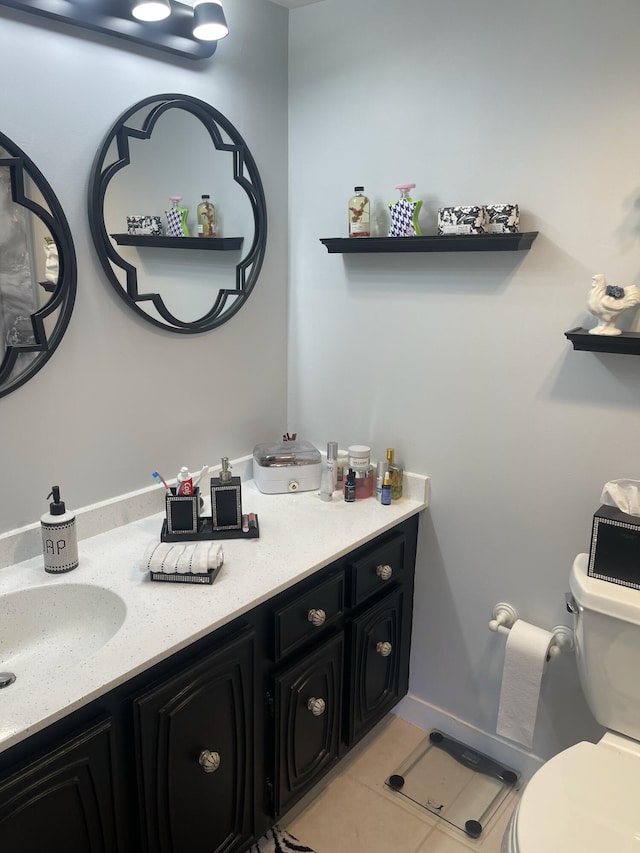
[
  {"x": 384, "y": 572},
  {"x": 294, "y": 485},
  {"x": 317, "y": 707},
  {"x": 209, "y": 761},
  {"x": 384, "y": 649},
  {"x": 317, "y": 617}
]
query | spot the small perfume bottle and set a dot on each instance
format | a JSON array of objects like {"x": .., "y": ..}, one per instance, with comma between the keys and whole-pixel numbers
[
  {"x": 359, "y": 214},
  {"x": 206, "y": 216},
  {"x": 382, "y": 469},
  {"x": 226, "y": 500},
  {"x": 350, "y": 486},
  {"x": 385, "y": 496},
  {"x": 404, "y": 214},
  {"x": 177, "y": 218},
  {"x": 395, "y": 475}
]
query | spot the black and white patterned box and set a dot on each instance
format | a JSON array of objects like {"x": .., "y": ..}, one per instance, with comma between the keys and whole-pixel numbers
[
  {"x": 503, "y": 218},
  {"x": 148, "y": 226},
  {"x": 462, "y": 220}
]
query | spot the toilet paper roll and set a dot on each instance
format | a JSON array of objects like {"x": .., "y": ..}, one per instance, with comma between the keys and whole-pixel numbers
[{"x": 524, "y": 662}]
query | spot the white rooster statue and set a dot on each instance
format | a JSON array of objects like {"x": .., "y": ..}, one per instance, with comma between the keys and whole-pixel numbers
[{"x": 606, "y": 302}]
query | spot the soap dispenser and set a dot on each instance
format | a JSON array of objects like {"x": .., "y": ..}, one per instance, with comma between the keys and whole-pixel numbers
[
  {"x": 59, "y": 536},
  {"x": 226, "y": 499}
]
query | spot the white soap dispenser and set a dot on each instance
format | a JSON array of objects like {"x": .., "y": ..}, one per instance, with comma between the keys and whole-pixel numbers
[{"x": 59, "y": 536}]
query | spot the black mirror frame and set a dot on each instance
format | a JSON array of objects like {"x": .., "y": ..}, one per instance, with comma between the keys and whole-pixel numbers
[
  {"x": 247, "y": 270},
  {"x": 64, "y": 292}
]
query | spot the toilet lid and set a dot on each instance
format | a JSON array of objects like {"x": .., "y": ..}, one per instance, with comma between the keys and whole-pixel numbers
[{"x": 585, "y": 799}]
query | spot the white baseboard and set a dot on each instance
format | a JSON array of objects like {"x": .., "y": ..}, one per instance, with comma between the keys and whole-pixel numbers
[{"x": 427, "y": 717}]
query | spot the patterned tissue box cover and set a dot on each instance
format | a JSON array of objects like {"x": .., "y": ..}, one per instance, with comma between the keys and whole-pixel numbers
[
  {"x": 503, "y": 218},
  {"x": 149, "y": 226},
  {"x": 462, "y": 220}
]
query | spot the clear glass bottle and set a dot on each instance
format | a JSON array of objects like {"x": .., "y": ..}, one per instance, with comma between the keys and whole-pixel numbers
[
  {"x": 359, "y": 214},
  {"x": 206, "y": 217},
  {"x": 395, "y": 475}
]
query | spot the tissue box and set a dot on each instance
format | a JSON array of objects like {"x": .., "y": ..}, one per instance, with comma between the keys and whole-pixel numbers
[{"x": 615, "y": 547}]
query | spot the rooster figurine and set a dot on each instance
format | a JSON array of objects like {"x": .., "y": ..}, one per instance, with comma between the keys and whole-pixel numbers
[{"x": 607, "y": 301}]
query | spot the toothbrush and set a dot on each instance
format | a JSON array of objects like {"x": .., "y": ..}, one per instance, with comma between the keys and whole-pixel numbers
[{"x": 162, "y": 480}]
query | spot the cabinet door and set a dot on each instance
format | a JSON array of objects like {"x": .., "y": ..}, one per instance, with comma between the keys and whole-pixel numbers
[
  {"x": 64, "y": 801},
  {"x": 378, "y": 657},
  {"x": 308, "y": 704},
  {"x": 194, "y": 737}
]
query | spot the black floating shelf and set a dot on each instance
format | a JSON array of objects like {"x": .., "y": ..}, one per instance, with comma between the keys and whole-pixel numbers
[
  {"x": 626, "y": 343},
  {"x": 439, "y": 243},
  {"x": 215, "y": 244}
]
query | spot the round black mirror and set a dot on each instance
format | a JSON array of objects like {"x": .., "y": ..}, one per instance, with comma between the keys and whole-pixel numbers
[
  {"x": 162, "y": 148},
  {"x": 37, "y": 269}
]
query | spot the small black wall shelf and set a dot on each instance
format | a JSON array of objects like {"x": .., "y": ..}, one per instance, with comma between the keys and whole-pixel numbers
[
  {"x": 216, "y": 244},
  {"x": 626, "y": 343},
  {"x": 445, "y": 243}
]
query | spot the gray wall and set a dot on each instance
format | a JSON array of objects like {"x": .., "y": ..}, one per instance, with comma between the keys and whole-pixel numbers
[
  {"x": 459, "y": 360},
  {"x": 120, "y": 398}
]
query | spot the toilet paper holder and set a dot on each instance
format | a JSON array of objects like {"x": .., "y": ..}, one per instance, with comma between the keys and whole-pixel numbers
[{"x": 504, "y": 616}]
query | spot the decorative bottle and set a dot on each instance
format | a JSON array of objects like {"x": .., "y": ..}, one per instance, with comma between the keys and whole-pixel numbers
[
  {"x": 359, "y": 214},
  {"x": 226, "y": 499},
  {"x": 59, "y": 536},
  {"x": 395, "y": 475},
  {"x": 206, "y": 214},
  {"x": 177, "y": 218},
  {"x": 404, "y": 214}
]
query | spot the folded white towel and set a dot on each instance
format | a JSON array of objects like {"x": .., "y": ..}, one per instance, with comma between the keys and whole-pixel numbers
[{"x": 169, "y": 558}]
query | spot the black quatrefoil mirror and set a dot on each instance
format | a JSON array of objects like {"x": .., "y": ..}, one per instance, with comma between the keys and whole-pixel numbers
[
  {"x": 171, "y": 147},
  {"x": 37, "y": 269}
]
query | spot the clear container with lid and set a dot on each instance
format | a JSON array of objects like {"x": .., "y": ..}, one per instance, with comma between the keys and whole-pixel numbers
[{"x": 359, "y": 456}]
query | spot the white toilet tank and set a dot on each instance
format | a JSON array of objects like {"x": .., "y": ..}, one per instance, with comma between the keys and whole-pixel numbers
[{"x": 608, "y": 648}]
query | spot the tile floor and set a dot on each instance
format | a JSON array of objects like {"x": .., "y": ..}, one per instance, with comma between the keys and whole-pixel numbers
[{"x": 352, "y": 811}]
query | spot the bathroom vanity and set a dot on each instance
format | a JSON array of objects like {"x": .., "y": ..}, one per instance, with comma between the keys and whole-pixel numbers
[{"x": 266, "y": 683}]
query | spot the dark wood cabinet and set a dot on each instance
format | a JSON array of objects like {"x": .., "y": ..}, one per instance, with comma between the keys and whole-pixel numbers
[
  {"x": 376, "y": 653},
  {"x": 194, "y": 741},
  {"x": 63, "y": 800},
  {"x": 207, "y": 749},
  {"x": 308, "y": 711}
]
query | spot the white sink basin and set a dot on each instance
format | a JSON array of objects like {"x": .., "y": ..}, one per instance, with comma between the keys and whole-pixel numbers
[{"x": 48, "y": 628}]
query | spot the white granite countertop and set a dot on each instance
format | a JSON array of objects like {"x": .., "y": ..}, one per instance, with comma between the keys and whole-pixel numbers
[{"x": 299, "y": 534}]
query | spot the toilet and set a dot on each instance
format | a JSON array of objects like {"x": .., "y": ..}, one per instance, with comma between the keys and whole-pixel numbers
[{"x": 587, "y": 798}]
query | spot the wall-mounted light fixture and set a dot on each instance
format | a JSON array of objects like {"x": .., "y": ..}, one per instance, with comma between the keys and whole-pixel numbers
[
  {"x": 209, "y": 23},
  {"x": 151, "y": 10},
  {"x": 168, "y": 25}
]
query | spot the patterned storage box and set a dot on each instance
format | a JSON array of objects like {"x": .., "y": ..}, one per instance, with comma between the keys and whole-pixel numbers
[
  {"x": 462, "y": 220},
  {"x": 503, "y": 218},
  {"x": 149, "y": 226}
]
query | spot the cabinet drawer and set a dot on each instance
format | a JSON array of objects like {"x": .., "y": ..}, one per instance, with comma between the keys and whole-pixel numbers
[
  {"x": 308, "y": 615},
  {"x": 376, "y": 569}
]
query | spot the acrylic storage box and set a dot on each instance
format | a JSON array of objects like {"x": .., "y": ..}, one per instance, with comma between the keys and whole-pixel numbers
[
  {"x": 287, "y": 466},
  {"x": 615, "y": 547}
]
